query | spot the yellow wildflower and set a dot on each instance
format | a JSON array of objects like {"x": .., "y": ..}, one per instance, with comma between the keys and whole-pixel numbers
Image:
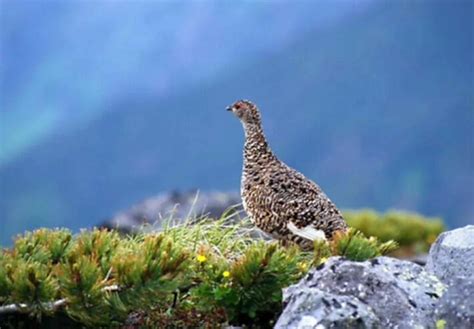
[
  {"x": 303, "y": 266},
  {"x": 201, "y": 258},
  {"x": 323, "y": 260},
  {"x": 226, "y": 274}
]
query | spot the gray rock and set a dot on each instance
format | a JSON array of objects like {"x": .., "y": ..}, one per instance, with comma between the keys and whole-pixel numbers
[
  {"x": 384, "y": 292},
  {"x": 452, "y": 254},
  {"x": 456, "y": 307},
  {"x": 174, "y": 208},
  {"x": 313, "y": 308}
]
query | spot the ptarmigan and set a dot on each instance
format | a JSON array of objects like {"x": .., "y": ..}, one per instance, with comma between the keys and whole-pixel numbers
[{"x": 278, "y": 199}]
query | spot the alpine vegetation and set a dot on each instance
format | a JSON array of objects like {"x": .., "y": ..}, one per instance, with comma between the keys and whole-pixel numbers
[{"x": 203, "y": 274}]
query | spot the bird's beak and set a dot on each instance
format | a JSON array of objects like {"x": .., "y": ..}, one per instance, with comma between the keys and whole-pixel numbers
[{"x": 229, "y": 108}]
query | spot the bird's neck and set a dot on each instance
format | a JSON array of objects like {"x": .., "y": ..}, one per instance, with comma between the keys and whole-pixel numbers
[{"x": 256, "y": 149}]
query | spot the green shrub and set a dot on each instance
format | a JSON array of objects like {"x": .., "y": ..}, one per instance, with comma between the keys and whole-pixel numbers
[
  {"x": 248, "y": 289},
  {"x": 411, "y": 231}
]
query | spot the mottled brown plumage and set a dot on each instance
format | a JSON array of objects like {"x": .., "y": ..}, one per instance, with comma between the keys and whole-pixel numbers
[{"x": 280, "y": 200}]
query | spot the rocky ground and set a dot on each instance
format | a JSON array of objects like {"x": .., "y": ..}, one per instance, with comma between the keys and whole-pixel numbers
[{"x": 387, "y": 292}]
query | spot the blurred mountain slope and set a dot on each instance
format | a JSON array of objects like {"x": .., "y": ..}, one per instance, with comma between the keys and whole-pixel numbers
[
  {"x": 378, "y": 110},
  {"x": 63, "y": 62}
]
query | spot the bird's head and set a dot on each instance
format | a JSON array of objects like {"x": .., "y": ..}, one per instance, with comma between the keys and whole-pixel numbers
[{"x": 246, "y": 111}]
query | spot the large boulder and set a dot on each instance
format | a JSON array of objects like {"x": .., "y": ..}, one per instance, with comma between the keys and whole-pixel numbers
[
  {"x": 451, "y": 259},
  {"x": 384, "y": 292},
  {"x": 314, "y": 308},
  {"x": 452, "y": 255}
]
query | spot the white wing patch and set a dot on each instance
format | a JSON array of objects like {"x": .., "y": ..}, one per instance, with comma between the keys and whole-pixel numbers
[{"x": 307, "y": 232}]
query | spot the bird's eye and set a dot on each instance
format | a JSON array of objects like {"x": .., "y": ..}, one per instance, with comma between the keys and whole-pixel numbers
[{"x": 237, "y": 106}]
